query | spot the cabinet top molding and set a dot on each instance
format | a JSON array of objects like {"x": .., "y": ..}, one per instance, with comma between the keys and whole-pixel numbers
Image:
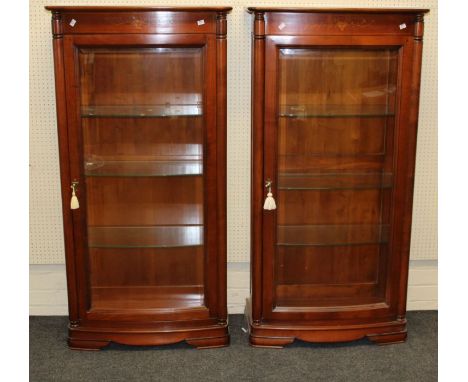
[
  {"x": 338, "y": 10},
  {"x": 338, "y": 21},
  {"x": 62, "y": 8},
  {"x": 138, "y": 20}
]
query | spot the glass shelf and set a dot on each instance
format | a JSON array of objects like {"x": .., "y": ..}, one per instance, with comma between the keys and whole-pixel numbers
[
  {"x": 141, "y": 111},
  {"x": 334, "y": 181},
  {"x": 334, "y": 111},
  {"x": 331, "y": 235},
  {"x": 145, "y": 237},
  {"x": 144, "y": 168}
]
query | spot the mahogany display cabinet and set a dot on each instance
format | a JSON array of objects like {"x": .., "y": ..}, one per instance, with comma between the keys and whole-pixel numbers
[
  {"x": 335, "y": 109},
  {"x": 141, "y": 112}
]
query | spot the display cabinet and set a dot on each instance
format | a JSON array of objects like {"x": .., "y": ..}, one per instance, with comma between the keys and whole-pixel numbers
[
  {"x": 335, "y": 110},
  {"x": 141, "y": 112}
]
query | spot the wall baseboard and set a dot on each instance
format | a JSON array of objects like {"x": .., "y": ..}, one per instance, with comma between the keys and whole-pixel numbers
[{"x": 48, "y": 288}]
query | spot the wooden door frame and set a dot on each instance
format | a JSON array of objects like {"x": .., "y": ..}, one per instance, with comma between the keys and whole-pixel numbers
[
  {"x": 405, "y": 132},
  {"x": 71, "y": 143}
]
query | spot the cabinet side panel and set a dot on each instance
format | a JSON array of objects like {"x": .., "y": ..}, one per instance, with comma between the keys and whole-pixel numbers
[
  {"x": 258, "y": 104},
  {"x": 65, "y": 173},
  {"x": 221, "y": 118},
  {"x": 210, "y": 178},
  {"x": 410, "y": 148}
]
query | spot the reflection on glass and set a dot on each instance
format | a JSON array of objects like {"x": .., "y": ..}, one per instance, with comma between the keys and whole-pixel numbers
[
  {"x": 336, "y": 116},
  {"x": 143, "y": 168},
  {"x": 142, "y": 122},
  {"x": 136, "y": 111},
  {"x": 332, "y": 234},
  {"x": 172, "y": 236},
  {"x": 328, "y": 82},
  {"x": 140, "y": 77}
]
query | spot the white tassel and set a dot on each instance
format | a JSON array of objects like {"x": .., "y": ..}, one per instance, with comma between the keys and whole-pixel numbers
[
  {"x": 269, "y": 201},
  {"x": 74, "y": 204}
]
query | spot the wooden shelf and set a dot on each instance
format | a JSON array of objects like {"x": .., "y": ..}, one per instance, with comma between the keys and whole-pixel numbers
[
  {"x": 289, "y": 301},
  {"x": 147, "y": 297}
]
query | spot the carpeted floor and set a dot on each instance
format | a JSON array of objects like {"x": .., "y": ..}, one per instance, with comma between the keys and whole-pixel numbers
[{"x": 415, "y": 360}]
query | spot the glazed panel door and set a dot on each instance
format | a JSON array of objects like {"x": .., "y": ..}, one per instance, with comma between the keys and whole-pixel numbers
[
  {"x": 141, "y": 147},
  {"x": 331, "y": 143}
]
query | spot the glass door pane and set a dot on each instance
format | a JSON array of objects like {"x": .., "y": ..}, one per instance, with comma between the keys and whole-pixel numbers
[
  {"x": 336, "y": 118},
  {"x": 142, "y": 122}
]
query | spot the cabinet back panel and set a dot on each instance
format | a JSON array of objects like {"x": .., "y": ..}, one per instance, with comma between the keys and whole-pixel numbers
[
  {"x": 111, "y": 267},
  {"x": 325, "y": 136},
  {"x": 144, "y": 201},
  {"x": 143, "y": 138},
  {"x": 311, "y": 164},
  {"x": 328, "y": 207},
  {"x": 141, "y": 76},
  {"x": 338, "y": 77},
  {"x": 324, "y": 265}
]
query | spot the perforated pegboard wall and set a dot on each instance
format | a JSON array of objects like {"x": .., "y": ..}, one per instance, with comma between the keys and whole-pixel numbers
[{"x": 46, "y": 241}]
